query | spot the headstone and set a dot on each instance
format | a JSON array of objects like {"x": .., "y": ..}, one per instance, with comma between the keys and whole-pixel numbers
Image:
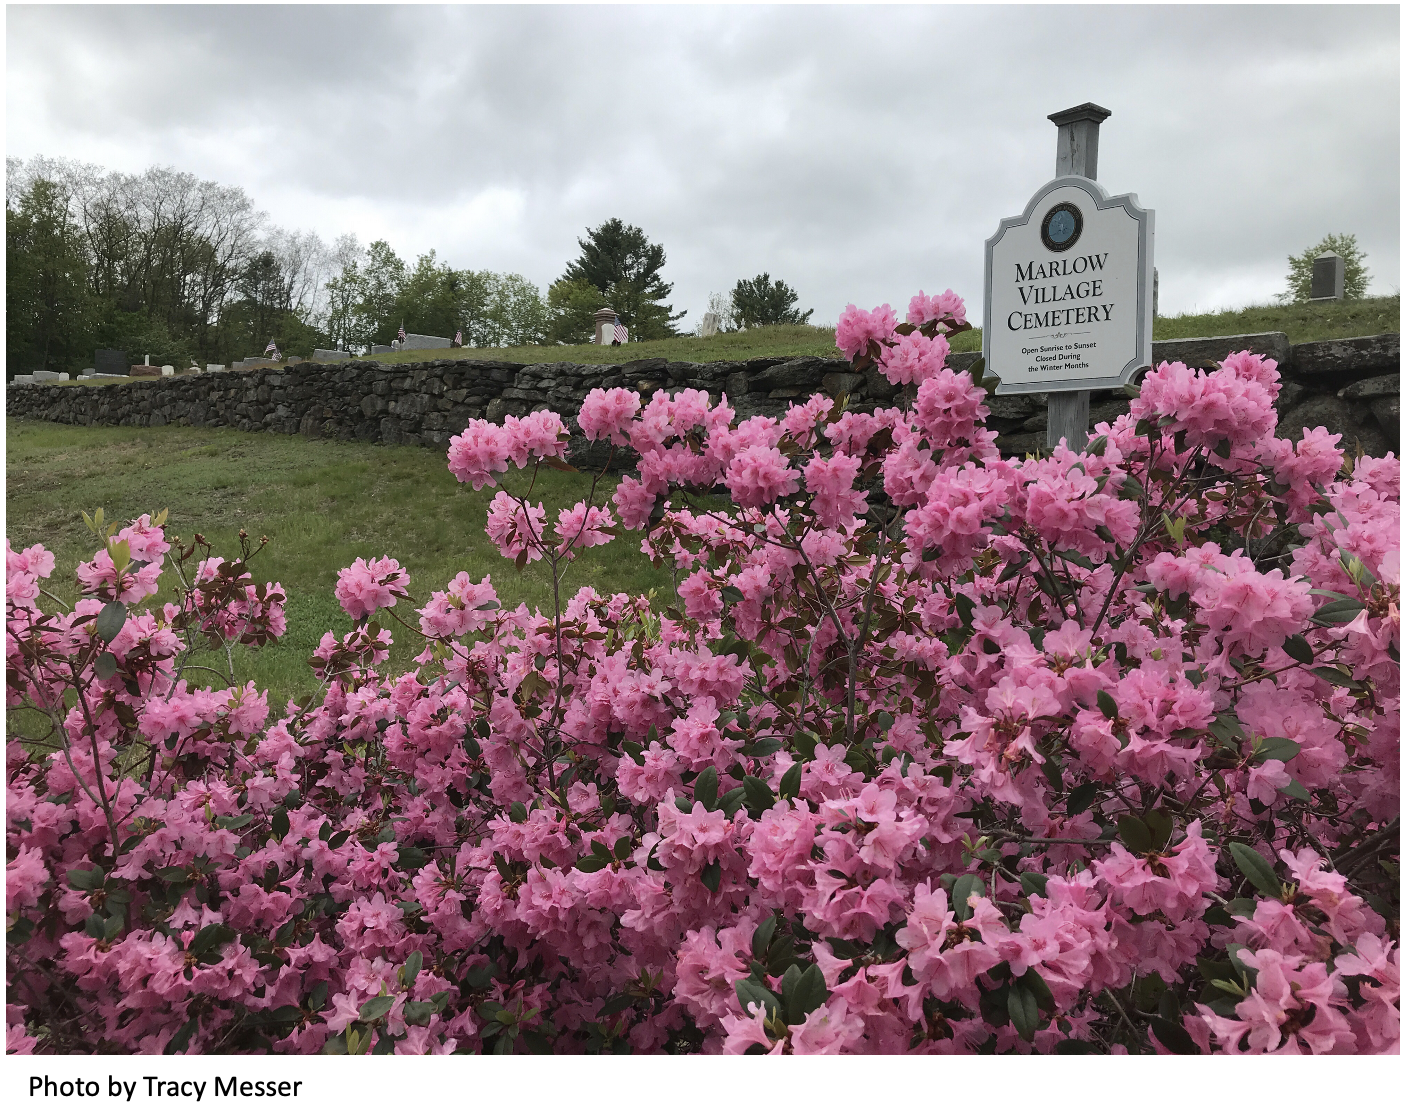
[
  {"x": 709, "y": 326},
  {"x": 605, "y": 326},
  {"x": 1069, "y": 286},
  {"x": 1329, "y": 272},
  {"x": 144, "y": 371},
  {"x": 292, "y": 360},
  {"x": 214, "y": 368},
  {"x": 381, "y": 349},
  {"x": 238, "y": 367},
  {"x": 41, "y": 375},
  {"x": 113, "y": 362},
  {"x": 89, "y": 372},
  {"x": 330, "y": 355},
  {"x": 424, "y": 341},
  {"x": 168, "y": 370},
  {"x": 22, "y": 378},
  {"x": 63, "y": 376}
]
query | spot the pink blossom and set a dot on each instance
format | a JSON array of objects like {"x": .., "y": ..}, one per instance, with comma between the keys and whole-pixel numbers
[{"x": 364, "y": 587}]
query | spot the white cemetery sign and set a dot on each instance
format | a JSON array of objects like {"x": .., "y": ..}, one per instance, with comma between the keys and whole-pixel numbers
[{"x": 1069, "y": 291}]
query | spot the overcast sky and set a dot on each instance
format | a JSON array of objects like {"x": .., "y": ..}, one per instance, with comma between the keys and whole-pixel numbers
[{"x": 859, "y": 153}]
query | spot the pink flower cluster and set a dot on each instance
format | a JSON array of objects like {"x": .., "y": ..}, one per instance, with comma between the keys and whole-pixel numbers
[{"x": 934, "y": 753}]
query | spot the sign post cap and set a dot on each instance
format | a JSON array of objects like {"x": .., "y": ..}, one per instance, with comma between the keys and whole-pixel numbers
[{"x": 1087, "y": 111}]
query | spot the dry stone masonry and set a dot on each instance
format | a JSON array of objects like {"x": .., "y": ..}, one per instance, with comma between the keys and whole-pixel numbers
[{"x": 1350, "y": 386}]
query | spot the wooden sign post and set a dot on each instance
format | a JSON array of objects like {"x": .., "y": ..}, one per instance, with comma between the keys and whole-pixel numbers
[{"x": 1069, "y": 286}]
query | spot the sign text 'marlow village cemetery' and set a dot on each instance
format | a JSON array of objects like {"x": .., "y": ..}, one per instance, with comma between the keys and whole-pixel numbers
[
  {"x": 1069, "y": 284},
  {"x": 1069, "y": 301}
]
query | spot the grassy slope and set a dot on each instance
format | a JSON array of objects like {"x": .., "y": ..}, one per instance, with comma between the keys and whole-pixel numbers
[
  {"x": 1302, "y": 322},
  {"x": 321, "y": 504}
]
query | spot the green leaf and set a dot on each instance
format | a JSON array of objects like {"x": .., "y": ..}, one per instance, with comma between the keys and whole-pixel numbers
[
  {"x": 759, "y": 793},
  {"x": 761, "y": 938},
  {"x": 1081, "y": 799},
  {"x": 210, "y": 937},
  {"x": 1136, "y": 835},
  {"x": 1338, "y": 613},
  {"x": 1033, "y": 882},
  {"x": 94, "y": 925},
  {"x": 592, "y": 862},
  {"x": 791, "y": 782},
  {"x": 732, "y": 594},
  {"x": 105, "y": 666},
  {"x": 233, "y": 822},
  {"x": 1107, "y": 706},
  {"x": 752, "y": 992},
  {"x": 1034, "y": 982},
  {"x": 377, "y": 1007},
  {"x": 1025, "y": 1013},
  {"x": 1227, "y": 728},
  {"x": 411, "y": 969},
  {"x": 1257, "y": 871},
  {"x": 112, "y": 927},
  {"x": 1277, "y": 749},
  {"x": 729, "y": 803},
  {"x": 1160, "y": 824},
  {"x": 1336, "y": 676},
  {"x": 110, "y": 621},
  {"x": 962, "y": 889},
  {"x": 705, "y": 788},
  {"x": 712, "y": 877},
  {"x": 418, "y": 1013},
  {"x": 517, "y": 811},
  {"x": 86, "y": 880},
  {"x": 1299, "y": 649},
  {"x": 1174, "y": 1037},
  {"x": 318, "y": 998},
  {"x": 1296, "y": 791},
  {"x": 279, "y": 825},
  {"x": 965, "y": 606},
  {"x": 807, "y": 993},
  {"x": 623, "y": 845}
]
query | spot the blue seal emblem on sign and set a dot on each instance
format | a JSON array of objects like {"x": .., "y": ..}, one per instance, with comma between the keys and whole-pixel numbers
[{"x": 1061, "y": 227}]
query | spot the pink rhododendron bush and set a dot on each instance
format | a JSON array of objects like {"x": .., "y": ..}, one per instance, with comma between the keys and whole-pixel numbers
[{"x": 937, "y": 752}]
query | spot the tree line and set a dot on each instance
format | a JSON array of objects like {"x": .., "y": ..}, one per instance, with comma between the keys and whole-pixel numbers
[{"x": 185, "y": 270}]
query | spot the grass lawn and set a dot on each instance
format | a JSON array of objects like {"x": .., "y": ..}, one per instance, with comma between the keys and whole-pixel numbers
[
  {"x": 322, "y": 504},
  {"x": 1302, "y": 322}
]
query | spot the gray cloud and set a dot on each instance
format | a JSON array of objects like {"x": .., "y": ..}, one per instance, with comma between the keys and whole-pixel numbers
[{"x": 860, "y": 153}]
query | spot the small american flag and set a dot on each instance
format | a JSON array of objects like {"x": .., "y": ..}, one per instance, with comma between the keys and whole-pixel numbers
[
  {"x": 458, "y": 337},
  {"x": 621, "y": 334},
  {"x": 401, "y": 333},
  {"x": 271, "y": 350}
]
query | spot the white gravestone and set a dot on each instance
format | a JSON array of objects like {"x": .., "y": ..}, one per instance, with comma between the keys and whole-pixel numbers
[
  {"x": 168, "y": 370},
  {"x": 424, "y": 341},
  {"x": 1069, "y": 291},
  {"x": 709, "y": 326}
]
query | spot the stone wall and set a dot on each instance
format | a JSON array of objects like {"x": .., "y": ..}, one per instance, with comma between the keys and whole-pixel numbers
[{"x": 1350, "y": 386}]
